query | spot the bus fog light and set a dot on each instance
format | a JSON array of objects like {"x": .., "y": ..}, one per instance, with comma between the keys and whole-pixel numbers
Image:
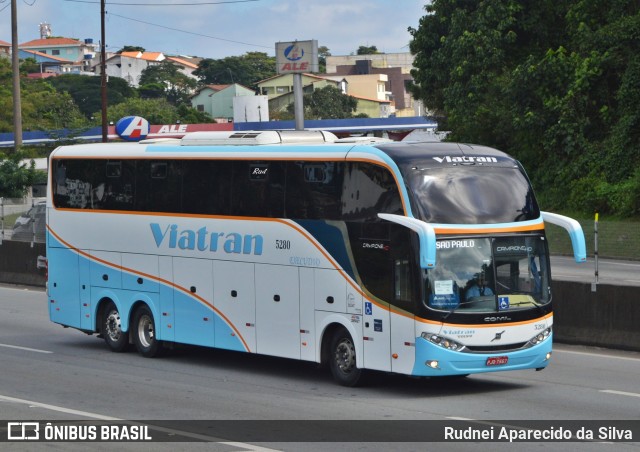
[
  {"x": 548, "y": 357},
  {"x": 433, "y": 364}
]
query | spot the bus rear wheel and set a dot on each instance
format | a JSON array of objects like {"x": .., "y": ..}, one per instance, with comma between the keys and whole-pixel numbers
[
  {"x": 342, "y": 359},
  {"x": 144, "y": 333},
  {"x": 114, "y": 337}
]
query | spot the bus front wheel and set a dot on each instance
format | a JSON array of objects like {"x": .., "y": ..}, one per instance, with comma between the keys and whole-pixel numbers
[
  {"x": 114, "y": 337},
  {"x": 342, "y": 359},
  {"x": 144, "y": 333}
]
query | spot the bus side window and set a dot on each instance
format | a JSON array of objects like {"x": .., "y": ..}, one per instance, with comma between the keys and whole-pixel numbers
[
  {"x": 313, "y": 190},
  {"x": 257, "y": 189},
  {"x": 368, "y": 190},
  {"x": 206, "y": 187},
  {"x": 119, "y": 177},
  {"x": 158, "y": 185}
]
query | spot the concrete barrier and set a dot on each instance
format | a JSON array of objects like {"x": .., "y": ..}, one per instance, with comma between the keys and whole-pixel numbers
[
  {"x": 19, "y": 263},
  {"x": 608, "y": 317}
]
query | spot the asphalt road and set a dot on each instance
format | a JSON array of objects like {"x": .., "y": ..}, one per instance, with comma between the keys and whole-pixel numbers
[{"x": 52, "y": 373}]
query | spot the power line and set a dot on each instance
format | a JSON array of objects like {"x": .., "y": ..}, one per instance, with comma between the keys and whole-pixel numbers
[{"x": 189, "y": 32}]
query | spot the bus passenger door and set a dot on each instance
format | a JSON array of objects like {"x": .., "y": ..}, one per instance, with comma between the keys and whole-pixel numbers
[
  {"x": 193, "y": 301},
  {"x": 405, "y": 296},
  {"x": 278, "y": 311},
  {"x": 376, "y": 335},
  {"x": 234, "y": 297}
]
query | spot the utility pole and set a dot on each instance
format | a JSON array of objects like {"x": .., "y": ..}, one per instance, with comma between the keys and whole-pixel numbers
[
  {"x": 15, "y": 62},
  {"x": 103, "y": 74}
]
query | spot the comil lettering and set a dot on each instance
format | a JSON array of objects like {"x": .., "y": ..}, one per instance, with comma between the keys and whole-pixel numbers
[
  {"x": 466, "y": 159},
  {"x": 204, "y": 240}
]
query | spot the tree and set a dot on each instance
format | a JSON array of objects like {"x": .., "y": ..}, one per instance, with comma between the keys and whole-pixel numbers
[
  {"x": 367, "y": 50},
  {"x": 323, "y": 53},
  {"x": 156, "y": 111},
  {"x": 554, "y": 83},
  {"x": 29, "y": 66},
  {"x": 16, "y": 175},
  {"x": 246, "y": 70},
  {"x": 86, "y": 91},
  {"x": 177, "y": 87},
  {"x": 131, "y": 49},
  {"x": 327, "y": 103}
]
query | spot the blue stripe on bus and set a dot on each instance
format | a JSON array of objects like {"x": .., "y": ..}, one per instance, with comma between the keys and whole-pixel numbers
[{"x": 333, "y": 240}]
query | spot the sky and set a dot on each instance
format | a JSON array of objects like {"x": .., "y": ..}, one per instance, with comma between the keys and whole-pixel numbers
[{"x": 221, "y": 28}]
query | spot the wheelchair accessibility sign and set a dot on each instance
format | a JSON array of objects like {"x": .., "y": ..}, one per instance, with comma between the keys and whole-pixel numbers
[{"x": 368, "y": 308}]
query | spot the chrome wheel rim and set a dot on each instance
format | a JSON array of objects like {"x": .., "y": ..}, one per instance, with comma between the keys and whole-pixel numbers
[
  {"x": 345, "y": 356},
  {"x": 146, "y": 334},
  {"x": 113, "y": 325}
]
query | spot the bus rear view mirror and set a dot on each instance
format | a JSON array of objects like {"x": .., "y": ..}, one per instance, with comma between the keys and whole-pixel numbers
[
  {"x": 425, "y": 232},
  {"x": 575, "y": 233}
]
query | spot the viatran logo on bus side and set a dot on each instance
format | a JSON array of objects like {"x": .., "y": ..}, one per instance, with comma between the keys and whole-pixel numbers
[
  {"x": 466, "y": 159},
  {"x": 204, "y": 240}
]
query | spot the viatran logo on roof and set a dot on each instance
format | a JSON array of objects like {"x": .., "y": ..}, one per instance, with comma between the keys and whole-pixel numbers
[{"x": 132, "y": 128}]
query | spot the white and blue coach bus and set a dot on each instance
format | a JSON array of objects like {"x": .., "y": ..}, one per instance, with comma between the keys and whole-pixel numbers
[{"x": 425, "y": 259}]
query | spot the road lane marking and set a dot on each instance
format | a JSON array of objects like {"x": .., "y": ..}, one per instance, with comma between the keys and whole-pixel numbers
[
  {"x": 599, "y": 355},
  {"x": 613, "y": 391},
  {"x": 25, "y": 348},
  {"x": 60, "y": 409}
]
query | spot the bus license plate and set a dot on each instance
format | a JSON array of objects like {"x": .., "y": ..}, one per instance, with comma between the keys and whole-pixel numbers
[{"x": 497, "y": 360}]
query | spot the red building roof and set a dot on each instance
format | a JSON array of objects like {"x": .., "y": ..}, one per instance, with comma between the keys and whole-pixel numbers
[{"x": 52, "y": 42}]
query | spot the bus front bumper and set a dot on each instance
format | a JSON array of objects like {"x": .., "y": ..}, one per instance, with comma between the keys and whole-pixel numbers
[{"x": 433, "y": 360}]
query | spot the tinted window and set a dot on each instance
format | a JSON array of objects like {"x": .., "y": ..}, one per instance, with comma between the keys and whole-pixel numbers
[
  {"x": 472, "y": 195},
  {"x": 275, "y": 189},
  {"x": 368, "y": 190},
  {"x": 206, "y": 187},
  {"x": 314, "y": 190},
  {"x": 257, "y": 189},
  {"x": 158, "y": 185}
]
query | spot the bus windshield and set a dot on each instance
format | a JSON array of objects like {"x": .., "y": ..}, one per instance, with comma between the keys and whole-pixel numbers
[
  {"x": 489, "y": 275},
  {"x": 472, "y": 195}
]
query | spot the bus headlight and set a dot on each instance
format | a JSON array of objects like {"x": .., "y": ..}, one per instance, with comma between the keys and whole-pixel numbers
[
  {"x": 540, "y": 337},
  {"x": 443, "y": 342}
]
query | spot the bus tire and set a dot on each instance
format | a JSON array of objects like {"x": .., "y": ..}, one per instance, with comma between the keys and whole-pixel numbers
[
  {"x": 114, "y": 337},
  {"x": 342, "y": 359},
  {"x": 144, "y": 333}
]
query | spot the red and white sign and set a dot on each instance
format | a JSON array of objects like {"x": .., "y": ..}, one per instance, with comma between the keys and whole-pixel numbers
[
  {"x": 179, "y": 130},
  {"x": 296, "y": 57}
]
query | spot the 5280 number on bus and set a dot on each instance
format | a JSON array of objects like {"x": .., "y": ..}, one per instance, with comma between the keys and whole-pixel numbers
[{"x": 283, "y": 244}]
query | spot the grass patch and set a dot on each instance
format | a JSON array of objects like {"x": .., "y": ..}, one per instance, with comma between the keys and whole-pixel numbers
[{"x": 617, "y": 238}]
